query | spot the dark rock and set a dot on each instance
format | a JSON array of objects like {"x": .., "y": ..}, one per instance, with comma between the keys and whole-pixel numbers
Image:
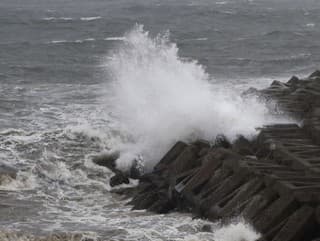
[
  {"x": 201, "y": 144},
  {"x": 162, "y": 205},
  {"x": 127, "y": 191},
  {"x": 210, "y": 164},
  {"x": 171, "y": 155},
  {"x": 107, "y": 160},
  {"x": 206, "y": 228},
  {"x": 294, "y": 81},
  {"x": 279, "y": 210},
  {"x": 243, "y": 146},
  {"x": 118, "y": 179},
  {"x": 297, "y": 225},
  {"x": 209, "y": 205},
  {"x": 258, "y": 203},
  {"x": 136, "y": 170},
  {"x": 235, "y": 203},
  {"x": 315, "y": 74},
  {"x": 251, "y": 92},
  {"x": 317, "y": 213},
  {"x": 187, "y": 160},
  {"x": 222, "y": 141},
  {"x": 278, "y": 84},
  {"x": 312, "y": 124},
  {"x": 146, "y": 200}
]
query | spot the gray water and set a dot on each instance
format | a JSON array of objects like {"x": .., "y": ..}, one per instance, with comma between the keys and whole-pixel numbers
[{"x": 58, "y": 109}]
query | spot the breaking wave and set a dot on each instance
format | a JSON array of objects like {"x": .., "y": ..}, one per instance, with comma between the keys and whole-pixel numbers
[
  {"x": 90, "y": 18},
  {"x": 157, "y": 98}
]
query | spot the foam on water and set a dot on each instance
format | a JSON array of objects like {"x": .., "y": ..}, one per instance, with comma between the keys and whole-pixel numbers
[
  {"x": 238, "y": 231},
  {"x": 67, "y": 192},
  {"x": 159, "y": 98},
  {"x": 62, "y": 41},
  {"x": 90, "y": 18},
  {"x": 60, "y": 18},
  {"x": 69, "y": 18},
  {"x": 115, "y": 39}
]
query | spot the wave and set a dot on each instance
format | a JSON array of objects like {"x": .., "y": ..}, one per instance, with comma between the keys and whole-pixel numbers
[
  {"x": 221, "y": 3},
  {"x": 236, "y": 231},
  {"x": 277, "y": 33},
  {"x": 62, "y": 41},
  {"x": 290, "y": 58},
  {"x": 115, "y": 38},
  {"x": 70, "y": 19},
  {"x": 310, "y": 25},
  {"x": 158, "y": 97},
  {"x": 197, "y": 39},
  {"x": 9, "y": 235},
  {"x": 90, "y": 18},
  {"x": 57, "y": 19}
]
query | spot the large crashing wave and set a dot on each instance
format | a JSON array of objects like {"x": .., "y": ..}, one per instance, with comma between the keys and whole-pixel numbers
[{"x": 159, "y": 98}]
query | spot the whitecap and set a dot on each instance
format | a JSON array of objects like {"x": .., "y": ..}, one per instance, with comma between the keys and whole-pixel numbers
[
  {"x": 201, "y": 39},
  {"x": 221, "y": 3},
  {"x": 58, "y": 41},
  {"x": 310, "y": 25},
  {"x": 90, "y": 18},
  {"x": 115, "y": 39},
  {"x": 71, "y": 41},
  {"x": 239, "y": 231},
  {"x": 55, "y": 19},
  {"x": 85, "y": 40}
]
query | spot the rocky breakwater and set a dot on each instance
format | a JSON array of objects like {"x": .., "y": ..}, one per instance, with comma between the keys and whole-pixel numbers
[{"x": 272, "y": 181}]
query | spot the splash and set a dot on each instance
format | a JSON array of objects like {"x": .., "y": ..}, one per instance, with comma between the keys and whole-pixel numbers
[
  {"x": 238, "y": 231},
  {"x": 158, "y": 98}
]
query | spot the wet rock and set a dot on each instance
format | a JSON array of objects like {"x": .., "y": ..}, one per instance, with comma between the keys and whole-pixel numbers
[
  {"x": 206, "y": 228},
  {"x": 170, "y": 156},
  {"x": 107, "y": 160},
  {"x": 243, "y": 146},
  {"x": 275, "y": 213},
  {"x": 162, "y": 205},
  {"x": 222, "y": 141},
  {"x": 294, "y": 81},
  {"x": 278, "y": 84},
  {"x": 315, "y": 74},
  {"x": 187, "y": 160},
  {"x": 118, "y": 179},
  {"x": 251, "y": 92},
  {"x": 317, "y": 214},
  {"x": 145, "y": 200},
  {"x": 298, "y": 227},
  {"x": 126, "y": 191},
  {"x": 136, "y": 170},
  {"x": 202, "y": 144}
]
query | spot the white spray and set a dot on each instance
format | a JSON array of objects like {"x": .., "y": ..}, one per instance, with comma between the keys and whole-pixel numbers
[{"x": 159, "y": 98}]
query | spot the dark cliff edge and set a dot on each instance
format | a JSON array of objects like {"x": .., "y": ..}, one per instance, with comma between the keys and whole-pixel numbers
[{"x": 272, "y": 181}]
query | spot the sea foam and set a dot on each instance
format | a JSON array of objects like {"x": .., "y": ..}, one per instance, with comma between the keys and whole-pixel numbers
[{"x": 158, "y": 98}]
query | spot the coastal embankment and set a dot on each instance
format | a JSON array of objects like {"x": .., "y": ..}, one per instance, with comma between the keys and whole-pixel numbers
[{"x": 272, "y": 180}]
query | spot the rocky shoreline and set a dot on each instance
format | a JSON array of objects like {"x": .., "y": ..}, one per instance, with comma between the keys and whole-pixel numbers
[{"x": 272, "y": 181}]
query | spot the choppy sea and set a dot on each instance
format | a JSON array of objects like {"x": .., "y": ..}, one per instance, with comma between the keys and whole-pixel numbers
[{"x": 79, "y": 78}]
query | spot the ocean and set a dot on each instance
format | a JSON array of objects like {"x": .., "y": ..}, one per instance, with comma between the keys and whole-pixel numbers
[{"x": 79, "y": 78}]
